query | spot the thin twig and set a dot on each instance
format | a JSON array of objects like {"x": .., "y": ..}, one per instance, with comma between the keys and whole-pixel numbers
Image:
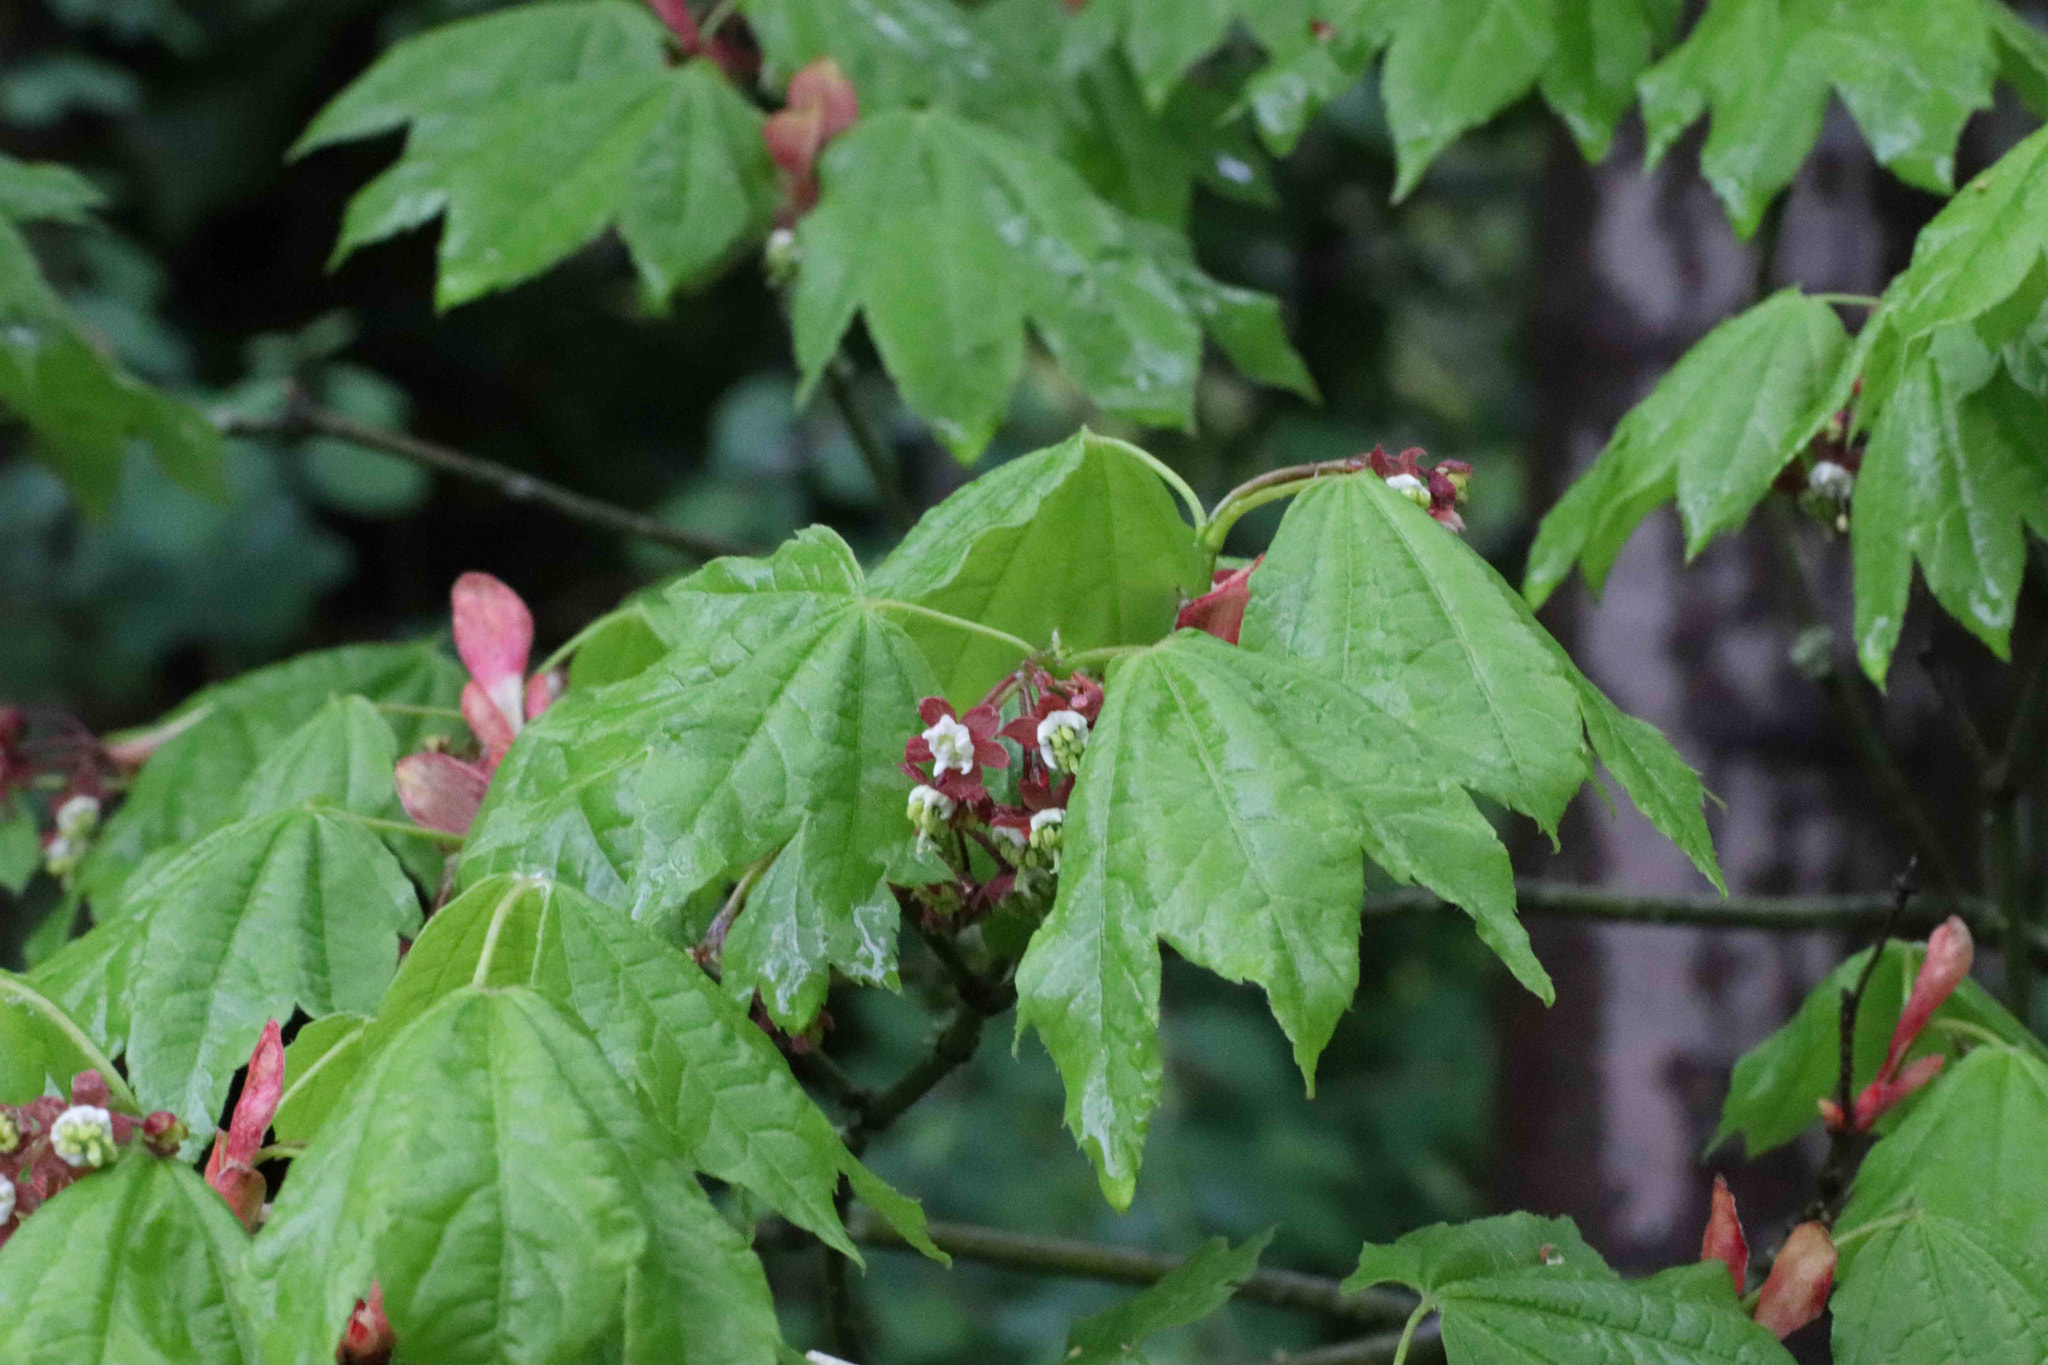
[
  {"x": 712, "y": 948},
  {"x": 304, "y": 419},
  {"x": 833, "y": 1079},
  {"x": 888, "y": 479},
  {"x": 1424, "y": 1348},
  {"x": 953, "y": 1048},
  {"x": 1128, "y": 1265},
  {"x": 842, "y": 1314},
  {"x": 1256, "y": 492},
  {"x": 1843, "y": 687},
  {"x": 1846, "y": 1144},
  {"x": 1854, "y": 912}
]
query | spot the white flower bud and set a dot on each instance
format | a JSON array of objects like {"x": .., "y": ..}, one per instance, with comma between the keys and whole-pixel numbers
[
  {"x": 1411, "y": 488},
  {"x": 79, "y": 817},
  {"x": 1832, "y": 481},
  {"x": 780, "y": 256},
  {"x": 1061, "y": 738},
  {"x": 952, "y": 747},
  {"x": 83, "y": 1135},
  {"x": 1010, "y": 835},
  {"x": 6, "y": 1199},
  {"x": 61, "y": 856},
  {"x": 928, "y": 811},
  {"x": 10, "y": 1134}
]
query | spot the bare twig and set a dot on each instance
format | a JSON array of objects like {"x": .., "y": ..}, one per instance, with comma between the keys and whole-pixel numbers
[
  {"x": 1844, "y": 689},
  {"x": 1424, "y": 1348},
  {"x": 712, "y": 948},
  {"x": 953, "y": 1048},
  {"x": 873, "y": 451},
  {"x": 1845, "y": 1144},
  {"x": 303, "y": 419},
  {"x": 1128, "y": 1265}
]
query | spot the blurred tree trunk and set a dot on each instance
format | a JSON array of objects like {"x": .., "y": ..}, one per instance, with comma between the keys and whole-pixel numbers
[{"x": 1609, "y": 1099}]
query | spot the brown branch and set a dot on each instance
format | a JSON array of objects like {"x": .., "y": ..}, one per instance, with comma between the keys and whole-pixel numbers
[
  {"x": 302, "y": 419},
  {"x": 874, "y": 452},
  {"x": 1128, "y": 1265},
  {"x": 952, "y": 1049},
  {"x": 1845, "y": 1144}
]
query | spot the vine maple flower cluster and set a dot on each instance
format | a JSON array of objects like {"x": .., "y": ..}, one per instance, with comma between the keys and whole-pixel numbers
[
  {"x": 1950, "y": 953},
  {"x": 1438, "y": 490},
  {"x": 494, "y": 637},
  {"x": 949, "y": 760},
  {"x": 1802, "y": 1274},
  {"x": 50, "y": 1143}
]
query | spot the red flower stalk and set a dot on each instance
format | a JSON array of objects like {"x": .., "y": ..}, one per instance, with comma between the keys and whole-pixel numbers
[
  {"x": 231, "y": 1167},
  {"x": 821, "y": 104},
  {"x": 1724, "y": 1241},
  {"x": 1220, "y": 611},
  {"x": 1797, "y": 1289}
]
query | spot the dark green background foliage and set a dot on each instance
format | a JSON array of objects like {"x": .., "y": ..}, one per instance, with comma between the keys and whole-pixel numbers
[{"x": 1380, "y": 192}]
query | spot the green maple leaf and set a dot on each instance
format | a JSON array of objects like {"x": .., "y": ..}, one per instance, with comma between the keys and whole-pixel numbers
[
  {"x": 1521, "y": 1290},
  {"x": 514, "y": 1199},
  {"x": 141, "y": 1263},
  {"x": 1775, "y": 1084},
  {"x": 1190, "y": 1292},
  {"x": 1716, "y": 430},
  {"x": 41, "y": 1048},
  {"x": 536, "y": 129},
  {"x": 343, "y": 756},
  {"x": 778, "y": 722},
  {"x": 193, "y": 784},
  {"x": 900, "y": 53},
  {"x": 1910, "y": 71},
  {"x": 1080, "y": 538},
  {"x": 82, "y": 408},
  {"x": 1225, "y": 804},
  {"x": 702, "y": 1063},
  {"x": 949, "y": 236},
  {"x": 1942, "y": 1243},
  {"x": 1365, "y": 586},
  {"x": 298, "y": 909}
]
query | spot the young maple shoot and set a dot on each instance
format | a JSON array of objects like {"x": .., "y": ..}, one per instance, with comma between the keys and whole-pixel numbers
[{"x": 490, "y": 966}]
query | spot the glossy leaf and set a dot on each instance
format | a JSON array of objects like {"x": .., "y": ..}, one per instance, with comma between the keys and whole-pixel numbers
[
  {"x": 1522, "y": 1290},
  {"x": 1224, "y": 804},
  {"x": 535, "y": 129},
  {"x": 1951, "y": 479},
  {"x": 1943, "y": 1239},
  {"x": 701, "y": 1062},
  {"x": 514, "y": 1200},
  {"x": 342, "y": 757},
  {"x": 88, "y": 978},
  {"x": 140, "y": 1263},
  {"x": 193, "y": 783},
  {"x": 1772, "y": 1093},
  {"x": 299, "y": 909},
  {"x": 1082, "y": 538},
  {"x": 1910, "y": 71},
  {"x": 317, "y": 1066},
  {"x": 1714, "y": 432},
  {"x": 949, "y": 236},
  {"x": 1192, "y": 1291},
  {"x": 1362, "y": 584},
  {"x": 41, "y": 1048},
  {"x": 779, "y": 722}
]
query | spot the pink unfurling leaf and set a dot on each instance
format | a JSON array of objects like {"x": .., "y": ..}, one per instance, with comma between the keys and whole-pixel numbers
[
  {"x": 1950, "y": 953},
  {"x": 440, "y": 791},
  {"x": 1800, "y": 1280},
  {"x": 231, "y": 1166},
  {"x": 1220, "y": 611},
  {"x": 1724, "y": 1241},
  {"x": 494, "y": 636}
]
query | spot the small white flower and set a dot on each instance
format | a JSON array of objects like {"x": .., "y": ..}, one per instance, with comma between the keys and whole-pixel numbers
[
  {"x": 1061, "y": 738},
  {"x": 1410, "y": 487},
  {"x": 61, "y": 856},
  {"x": 6, "y": 1199},
  {"x": 1832, "y": 481},
  {"x": 1010, "y": 835},
  {"x": 928, "y": 811},
  {"x": 83, "y": 1135},
  {"x": 1047, "y": 824},
  {"x": 79, "y": 817},
  {"x": 952, "y": 747}
]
